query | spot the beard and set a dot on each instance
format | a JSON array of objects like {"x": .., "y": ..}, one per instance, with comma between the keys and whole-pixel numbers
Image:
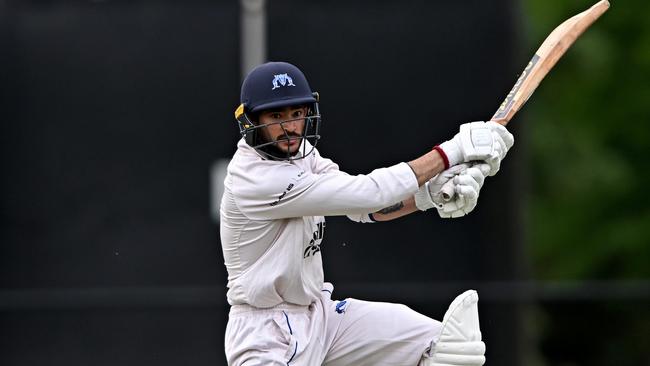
[{"x": 274, "y": 151}]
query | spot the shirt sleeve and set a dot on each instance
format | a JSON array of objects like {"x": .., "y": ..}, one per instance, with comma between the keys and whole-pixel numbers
[
  {"x": 321, "y": 165},
  {"x": 324, "y": 165},
  {"x": 276, "y": 190}
]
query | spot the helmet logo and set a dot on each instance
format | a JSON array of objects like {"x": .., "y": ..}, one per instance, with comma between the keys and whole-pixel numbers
[{"x": 282, "y": 80}]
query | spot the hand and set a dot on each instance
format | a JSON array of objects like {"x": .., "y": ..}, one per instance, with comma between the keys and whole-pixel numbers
[
  {"x": 488, "y": 141},
  {"x": 464, "y": 181},
  {"x": 504, "y": 141},
  {"x": 431, "y": 193},
  {"x": 467, "y": 187}
]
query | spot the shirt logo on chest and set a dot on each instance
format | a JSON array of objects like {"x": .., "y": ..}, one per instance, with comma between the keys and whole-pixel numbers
[
  {"x": 286, "y": 190},
  {"x": 314, "y": 243}
]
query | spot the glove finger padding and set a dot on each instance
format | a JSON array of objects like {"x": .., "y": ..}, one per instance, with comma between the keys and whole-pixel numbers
[
  {"x": 503, "y": 141},
  {"x": 430, "y": 194},
  {"x": 471, "y": 198},
  {"x": 469, "y": 192},
  {"x": 468, "y": 185},
  {"x": 466, "y": 180},
  {"x": 483, "y": 167},
  {"x": 500, "y": 145},
  {"x": 505, "y": 135},
  {"x": 477, "y": 174},
  {"x": 494, "y": 161}
]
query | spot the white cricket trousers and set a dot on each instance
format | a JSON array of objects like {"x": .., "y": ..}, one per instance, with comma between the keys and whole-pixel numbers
[{"x": 332, "y": 333}]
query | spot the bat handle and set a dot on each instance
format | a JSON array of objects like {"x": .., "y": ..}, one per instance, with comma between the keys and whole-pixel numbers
[
  {"x": 448, "y": 190},
  {"x": 502, "y": 121}
]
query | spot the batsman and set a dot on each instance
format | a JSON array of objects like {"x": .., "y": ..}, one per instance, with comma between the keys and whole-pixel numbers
[{"x": 277, "y": 192}]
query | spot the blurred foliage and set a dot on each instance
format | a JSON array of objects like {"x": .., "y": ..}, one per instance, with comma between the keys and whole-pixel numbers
[{"x": 589, "y": 125}]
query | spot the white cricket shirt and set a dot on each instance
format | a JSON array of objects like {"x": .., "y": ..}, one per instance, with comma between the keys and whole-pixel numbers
[{"x": 272, "y": 220}]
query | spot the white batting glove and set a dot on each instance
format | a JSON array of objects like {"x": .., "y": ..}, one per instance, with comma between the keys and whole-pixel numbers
[
  {"x": 487, "y": 141},
  {"x": 504, "y": 141},
  {"x": 431, "y": 193},
  {"x": 453, "y": 192},
  {"x": 467, "y": 187}
]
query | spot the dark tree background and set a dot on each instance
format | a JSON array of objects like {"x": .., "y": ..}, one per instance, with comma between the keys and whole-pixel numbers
[{"x": 590, "y": 211}]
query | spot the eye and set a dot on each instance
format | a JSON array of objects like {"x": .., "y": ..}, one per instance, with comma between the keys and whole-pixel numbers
[
  {"x": 276, "y": 115},
  {"x": 298, "y": 113}
]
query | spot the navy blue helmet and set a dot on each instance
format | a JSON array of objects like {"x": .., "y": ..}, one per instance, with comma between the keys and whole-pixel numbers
[{"x": 275, "y": 85}]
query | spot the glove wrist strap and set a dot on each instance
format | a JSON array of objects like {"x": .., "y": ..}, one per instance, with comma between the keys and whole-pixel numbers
[{"x": 442, "y": 153}]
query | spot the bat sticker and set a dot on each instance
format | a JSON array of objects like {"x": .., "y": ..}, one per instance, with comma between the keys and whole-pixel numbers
[{"x": 507, "y": 103}]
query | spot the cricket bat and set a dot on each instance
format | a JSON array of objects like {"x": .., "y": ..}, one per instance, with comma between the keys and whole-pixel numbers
[{"x": 553, "y": 47}]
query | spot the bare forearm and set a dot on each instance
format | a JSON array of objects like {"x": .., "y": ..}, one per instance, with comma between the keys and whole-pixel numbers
[
  {"x": 427, "y": 166},
  {"x": 400, "y": 209}
]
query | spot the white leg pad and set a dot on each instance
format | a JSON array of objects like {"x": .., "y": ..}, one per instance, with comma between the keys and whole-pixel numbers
[{"x": 460, "y": 339}]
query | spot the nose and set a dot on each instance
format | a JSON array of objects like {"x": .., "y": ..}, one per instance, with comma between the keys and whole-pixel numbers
[{"x": 290, "y": 126}]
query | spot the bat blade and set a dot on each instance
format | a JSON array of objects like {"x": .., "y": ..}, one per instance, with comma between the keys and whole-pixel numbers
[{"x": 553, "y": 47}]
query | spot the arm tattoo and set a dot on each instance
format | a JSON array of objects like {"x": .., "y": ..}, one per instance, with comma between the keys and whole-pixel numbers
[{"x": 393, "y": 208}]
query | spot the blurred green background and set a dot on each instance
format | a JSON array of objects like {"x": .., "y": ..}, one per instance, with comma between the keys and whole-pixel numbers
[{"x": 589, "y": 206}]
